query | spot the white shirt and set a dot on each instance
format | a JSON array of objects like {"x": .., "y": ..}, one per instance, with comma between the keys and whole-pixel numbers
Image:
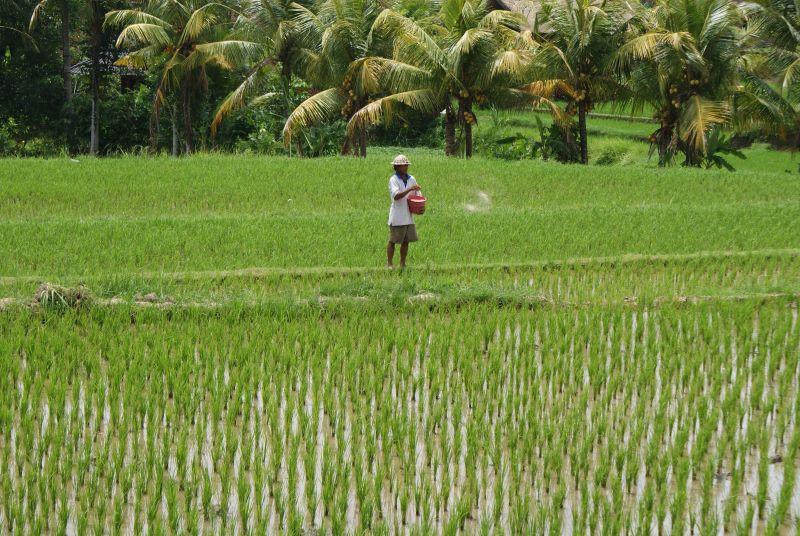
[{"x": 398, "y": 211}]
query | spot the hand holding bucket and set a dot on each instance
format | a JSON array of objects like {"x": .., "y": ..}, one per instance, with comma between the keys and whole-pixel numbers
[{"x": 416, "y": 203}]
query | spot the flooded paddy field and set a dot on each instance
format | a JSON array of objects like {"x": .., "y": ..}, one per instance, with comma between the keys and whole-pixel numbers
[{"x": 675, "y": 418}]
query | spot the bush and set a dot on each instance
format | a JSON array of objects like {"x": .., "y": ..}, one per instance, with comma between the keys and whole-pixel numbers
[{"x": 613, "y": 153}]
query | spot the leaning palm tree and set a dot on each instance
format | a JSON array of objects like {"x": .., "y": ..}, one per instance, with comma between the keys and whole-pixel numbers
[
  {"x": 685, "y": 64},
  {"x": 578, "y": 41},
  {"x": 337, "y": 62},
  {"x": 465, "y": 55},
  {"x": 181, "y": 38},
  {"x": 770, "y": 95}
]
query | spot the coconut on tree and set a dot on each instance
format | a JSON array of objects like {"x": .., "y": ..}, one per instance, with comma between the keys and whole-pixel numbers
[
  {"x": 338, "y": 63},
  {"x": 686, "y": 64}
]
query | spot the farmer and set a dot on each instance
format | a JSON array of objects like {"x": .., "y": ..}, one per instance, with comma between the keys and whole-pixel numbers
[{"x": 401, "y": 223}]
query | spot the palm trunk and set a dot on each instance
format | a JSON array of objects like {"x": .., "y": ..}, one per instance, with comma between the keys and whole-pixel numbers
[
  {"x": 363, "y": 142},
  {"x": 693, "y": 157},
  {"x": 346, "y": 146},
  {"x": 174, "y": 124},
  {"x": 94, "y": 130},
  {"x": 187, "y": 117},
  {"x": 664, "y": 139},
  {"x": 96, "y": 37},
  {"x": 465, "y": 108},
  {"x": 449, "y": 132},
  {"x": 582, "y": 133},
  {"x": 153, "y": 133},
  {"x": 66, "y": 65},
  {"x": 286, "y": 82}
]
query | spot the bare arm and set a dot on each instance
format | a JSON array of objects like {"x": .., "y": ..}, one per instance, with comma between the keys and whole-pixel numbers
[{"x": 405, "y": 192}]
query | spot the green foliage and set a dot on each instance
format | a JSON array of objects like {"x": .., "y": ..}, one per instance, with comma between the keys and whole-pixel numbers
[
  {"x": 717, "y": 145},
  {"x": 613, "y": 153}
]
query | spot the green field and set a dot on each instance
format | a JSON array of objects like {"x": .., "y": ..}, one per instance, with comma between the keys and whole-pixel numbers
[
  {"x": 627, "y": 136},
  {"x": 587, "y": 350}
]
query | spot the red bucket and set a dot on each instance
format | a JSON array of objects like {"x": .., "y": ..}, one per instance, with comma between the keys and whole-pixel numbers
[{"x": 416, "y": 204}]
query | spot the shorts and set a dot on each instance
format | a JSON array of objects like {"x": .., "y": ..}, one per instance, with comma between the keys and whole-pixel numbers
[{"x": 399, "y": 234}]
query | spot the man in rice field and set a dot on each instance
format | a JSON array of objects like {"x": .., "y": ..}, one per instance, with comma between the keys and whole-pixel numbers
[{"x": 401, "y": 222}]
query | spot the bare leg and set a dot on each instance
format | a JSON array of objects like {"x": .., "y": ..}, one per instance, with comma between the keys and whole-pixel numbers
[
  {"x": 390, "y": 254},
  {"x": 403, "y": 254}
]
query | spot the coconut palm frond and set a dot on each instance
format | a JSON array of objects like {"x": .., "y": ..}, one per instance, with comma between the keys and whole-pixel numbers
[
  {"x": 228, "y": 53},
  {"x": 200, "y": 21},
  {"x": 147, "y": 34},
  {"x": 35, "y": 14},
  {"x": 367, "y": 74},
  {"x": 541, "y": 88},
  {"x": 404, "y": 77},
  {"x": 790, "y": 76},
  {"x": 124, "y": 17},
  {"x": 384, "y": 109},
  {"x": 142, "y": 58},
  {"x": 498, "y": 18},
  {"x": 698, "y": 116},
  {"x": 512, "y": 63},
  {"x": 639, "y": 48},
  {"x": 26, "y": 38},
  {"x": 469, "y": 41},
  {"x": 407, "y": 30},
  {"x": 322, "y": 106},
  {"x": 265, "y": 98},
  {"x": 237, "y": 98},
  {"x": 308, "y": 24},
  {"x": 759, "y": 105}
]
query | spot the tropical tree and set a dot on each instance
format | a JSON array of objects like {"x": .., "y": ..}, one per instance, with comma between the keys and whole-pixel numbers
[
  {"x": 771, "y": 97},
  {"x": 270, "y": 23},
  {"x": 686, "y": 64},
  {"x": 90, "y": 14},
  {"x": 338, "y": 65},
  {"x": 181, "y": 39},
  {"x": 578, "y": 40},
  {"x": 465, "y": 55}
]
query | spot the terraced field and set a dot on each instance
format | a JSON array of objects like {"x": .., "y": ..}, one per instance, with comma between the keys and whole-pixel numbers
[{"x": 570, "y": 351}]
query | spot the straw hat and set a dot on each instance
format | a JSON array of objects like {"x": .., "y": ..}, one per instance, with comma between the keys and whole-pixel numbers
[{"x": 400, "y": 160}]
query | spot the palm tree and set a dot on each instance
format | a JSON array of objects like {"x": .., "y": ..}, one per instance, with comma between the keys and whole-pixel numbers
[
  {"x": 578, "y": 41},
  {"x": 271, "y": 23},
  {"x": 182, "y": 38},
  {"x": 337, "y": 59},
  {"x": 773, "y": 28},
  {"x": 465, "y": 55},
  {"x": 91, "y": 14},
  {"x": 685, "y": 64}
]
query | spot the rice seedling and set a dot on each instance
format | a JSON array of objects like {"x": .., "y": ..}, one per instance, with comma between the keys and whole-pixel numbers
[{"x": 599, "y": 393}]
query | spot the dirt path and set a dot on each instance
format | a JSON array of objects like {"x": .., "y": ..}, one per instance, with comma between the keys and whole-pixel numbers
[{"x": 442, "y": 268}]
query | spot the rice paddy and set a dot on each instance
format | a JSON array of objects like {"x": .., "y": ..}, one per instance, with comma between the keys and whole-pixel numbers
[{"x": 585, "y": 354}]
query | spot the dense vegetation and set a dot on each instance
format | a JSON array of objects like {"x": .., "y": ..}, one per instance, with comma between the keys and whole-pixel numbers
[{"x": 315, "y": 77}]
